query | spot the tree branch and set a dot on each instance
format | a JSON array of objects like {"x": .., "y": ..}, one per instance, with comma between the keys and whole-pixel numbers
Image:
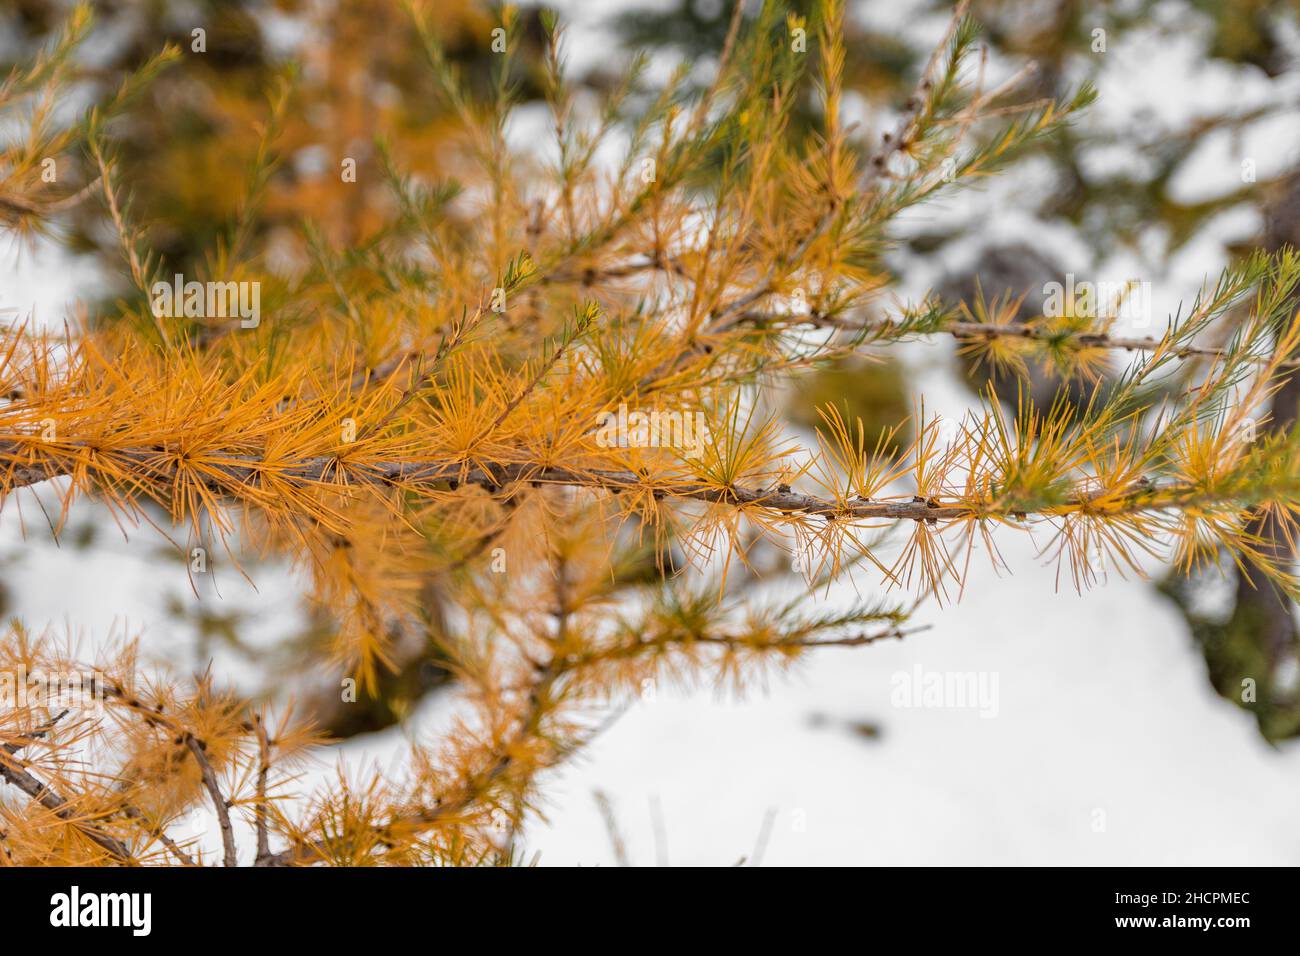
[
  {"x": 1142, "y": 494},
  {"x": 218, "y": 801},
  {"x": 41, "y": 793}
]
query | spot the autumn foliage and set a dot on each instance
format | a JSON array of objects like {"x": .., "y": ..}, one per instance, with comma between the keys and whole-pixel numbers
[{"x": 422, "y": 409}]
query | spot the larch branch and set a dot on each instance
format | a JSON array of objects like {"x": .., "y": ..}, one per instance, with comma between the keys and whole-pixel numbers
[
  {"x": 44, "y": 795},
  {"x": 218, "y": 801},
  {"x": 244, "y": 471}
]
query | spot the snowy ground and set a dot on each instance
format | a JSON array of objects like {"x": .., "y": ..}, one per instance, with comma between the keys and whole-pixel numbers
[{"x": 1107, "y": 746}]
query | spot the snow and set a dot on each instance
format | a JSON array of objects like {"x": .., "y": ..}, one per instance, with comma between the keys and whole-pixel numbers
[{"x": 1108, "y": 747}]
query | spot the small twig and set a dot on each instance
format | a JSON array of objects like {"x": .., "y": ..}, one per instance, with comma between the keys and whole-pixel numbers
[
  {"x": 764, "y": 834},
  {"x": 616, "y": 841},
  {"x": 42, "y": 793},
  {"x": 135, "y": 813},
  {"x": 218, "y": 801},
  {"x": 13, "y": 746},
  {"x": 138, "y": 273},
  {"x": 660, "y": 831},
  {"x": 1029, "y": 331},
  {"x": 259, "y": 812}
]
